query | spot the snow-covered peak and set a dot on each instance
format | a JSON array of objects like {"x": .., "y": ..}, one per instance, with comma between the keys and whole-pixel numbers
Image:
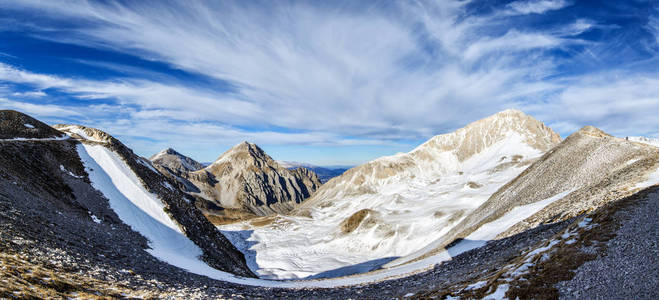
[
  {"x": 508, "y": 136},
  {"x": 477, "y": 136}
]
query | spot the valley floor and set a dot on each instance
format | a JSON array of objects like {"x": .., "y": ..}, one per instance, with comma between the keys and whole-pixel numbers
[{"x": 612, "y": 250}]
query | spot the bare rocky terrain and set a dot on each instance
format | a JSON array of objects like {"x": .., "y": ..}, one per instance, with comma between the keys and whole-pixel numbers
[
  {"x": 246, "y": 182},
  {"x": 59, "y": 238}
]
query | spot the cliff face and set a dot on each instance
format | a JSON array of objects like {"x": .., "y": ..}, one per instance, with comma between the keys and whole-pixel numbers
[{"x": 246, "y": 179}]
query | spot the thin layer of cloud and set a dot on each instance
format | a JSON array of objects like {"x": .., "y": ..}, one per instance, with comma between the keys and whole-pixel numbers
[{"x": 534, "y": 6}]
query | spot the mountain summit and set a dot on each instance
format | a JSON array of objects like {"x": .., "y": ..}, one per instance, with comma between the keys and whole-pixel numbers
[
  {"x": 246, "y": 179},
  {"x": 175, "y": 162}
]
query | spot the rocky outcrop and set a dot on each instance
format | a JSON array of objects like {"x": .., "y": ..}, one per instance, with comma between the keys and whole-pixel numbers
[
  {"x": 246, "y": 179},
  {"x": 16, "y": 125},
  {"x": 177, "y": 167}
]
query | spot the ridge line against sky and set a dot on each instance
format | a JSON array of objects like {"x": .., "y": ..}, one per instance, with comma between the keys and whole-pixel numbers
[{"x": 337, "y": 82}]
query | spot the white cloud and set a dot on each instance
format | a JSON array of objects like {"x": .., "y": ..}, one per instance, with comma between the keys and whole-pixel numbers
[
  {"x": 296, "y": 66},
  {"x": 535, "y": 6},
  {"x": 618, "y": 103},
  {"x": 42, "y": 110},
  {"x": 328, "y": 76},
  {"x": 30, "y": 94}
]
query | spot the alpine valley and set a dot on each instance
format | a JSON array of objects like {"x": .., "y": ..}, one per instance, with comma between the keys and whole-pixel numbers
[{"x": 501, "y": 208}]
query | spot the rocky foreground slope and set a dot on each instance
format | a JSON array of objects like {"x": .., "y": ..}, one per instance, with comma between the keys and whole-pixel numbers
[{"x": 51, "y": 179}]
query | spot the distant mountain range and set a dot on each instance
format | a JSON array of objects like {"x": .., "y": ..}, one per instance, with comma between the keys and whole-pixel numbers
[{"x": 325, "y": 173}]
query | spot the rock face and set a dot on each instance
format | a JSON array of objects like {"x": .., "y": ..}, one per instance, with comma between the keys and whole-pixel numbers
[
  {"x": 177, "y": 167},
  {"x": 246, "y": 179},
  {"x": 16, "y": 125},
  {"x": 218, "y": 252}
]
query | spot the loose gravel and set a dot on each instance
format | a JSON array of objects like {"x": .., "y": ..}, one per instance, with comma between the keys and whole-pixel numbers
[{"x": 628, "y": 268}]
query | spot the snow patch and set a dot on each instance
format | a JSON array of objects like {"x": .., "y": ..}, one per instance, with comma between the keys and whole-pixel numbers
[
  {"x": 652, "y": 179},
  {"x": 143, "y": 162},
  {"x": 95, "y": 219},
  {"x": 64, "y": 170},
  {"x": 64, "y": 137},
  {"x": 644, "y": 140},
  {"x": 169, "y": 187},
  {"x": 28, "y": 125},
  {"x": 499, "y": 294},
  {"x": 489, "y": 231},
  {"x": 80, "y": 132}
]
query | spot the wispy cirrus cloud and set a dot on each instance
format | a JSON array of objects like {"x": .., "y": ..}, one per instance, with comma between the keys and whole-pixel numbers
[
  {"x": 324, "y": 73},
  {"x": 534, "y": 6}
]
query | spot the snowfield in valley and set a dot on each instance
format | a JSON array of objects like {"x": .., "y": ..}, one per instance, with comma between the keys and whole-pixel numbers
[{"x": 405, "y": 216}]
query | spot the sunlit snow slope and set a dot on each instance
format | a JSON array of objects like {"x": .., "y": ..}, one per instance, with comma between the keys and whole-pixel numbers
[{"x": 394, "y": 205}]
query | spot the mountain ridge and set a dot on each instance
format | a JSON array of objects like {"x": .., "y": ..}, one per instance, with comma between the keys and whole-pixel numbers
[{"x": 245, "y": 178}]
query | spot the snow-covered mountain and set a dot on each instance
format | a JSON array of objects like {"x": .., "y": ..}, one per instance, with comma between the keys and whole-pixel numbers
[
  {"x": 246, "y": 180},
  {"x": 82, "y": 211},
  {"x": 586, "y": 171},
  {"x": 395, "y": 205}
]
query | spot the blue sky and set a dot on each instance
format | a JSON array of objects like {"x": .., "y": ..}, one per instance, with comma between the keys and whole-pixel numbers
[{"x": 327, "y": 82}]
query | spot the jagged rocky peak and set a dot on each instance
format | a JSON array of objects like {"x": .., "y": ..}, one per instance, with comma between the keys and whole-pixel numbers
[
  {"x": 247, "y": 179},
  {"x": 17, "y": 125},
  {"x": 175, "y": 161}
]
